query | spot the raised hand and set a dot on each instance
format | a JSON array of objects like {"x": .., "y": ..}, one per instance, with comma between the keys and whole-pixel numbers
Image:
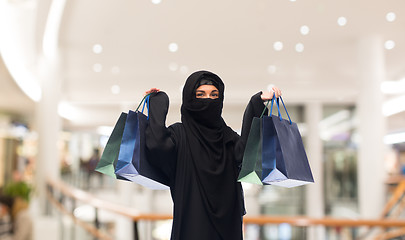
[
  {"x": 268, "y": 95},
  {"x": 152, "y": 90}
]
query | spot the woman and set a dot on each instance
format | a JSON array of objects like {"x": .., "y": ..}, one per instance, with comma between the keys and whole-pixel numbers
[{"x": 201, "y": 157}]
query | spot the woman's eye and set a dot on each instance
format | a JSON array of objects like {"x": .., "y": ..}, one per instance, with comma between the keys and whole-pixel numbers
[{"x": 199, "y": 94}]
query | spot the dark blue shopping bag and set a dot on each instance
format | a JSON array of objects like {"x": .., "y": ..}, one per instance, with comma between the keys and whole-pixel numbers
[
  {"x": 132, "y": 163},
  {"x": 284, "y": 161}
]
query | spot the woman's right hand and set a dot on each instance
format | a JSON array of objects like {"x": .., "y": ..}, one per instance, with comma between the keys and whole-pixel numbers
[{"x": 152, "y": 90}]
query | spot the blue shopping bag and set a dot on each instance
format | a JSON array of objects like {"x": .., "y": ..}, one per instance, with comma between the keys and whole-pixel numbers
[
  {"x": 284, "y": 161},
  {"x": 132, "y": 163}
]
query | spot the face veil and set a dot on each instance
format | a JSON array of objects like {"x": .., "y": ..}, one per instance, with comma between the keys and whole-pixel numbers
[{"x": 205, "y": 112}]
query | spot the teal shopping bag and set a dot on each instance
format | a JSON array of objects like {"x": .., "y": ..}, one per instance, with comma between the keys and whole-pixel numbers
[
  {"x": 251, "y": 171},
  {"x": 109, "y": 158}
]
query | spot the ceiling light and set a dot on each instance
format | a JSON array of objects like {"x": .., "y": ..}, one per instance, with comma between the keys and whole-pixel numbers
[
  {"x": 394, "y": 138},
  {"x": 115, "y": 89},
  {"x": 97, "y": 67},
  {"x": 278, "y": 46},
  {"x": 389, "y": 44},
  {"x": 342, "y": 21},
  {"x": 173, "y": 47},
  {"x": 299, "y": 47},
  {"x": 271, "y": 69},
  {"x": 97, "y": 48},
  {"x": 293, "y": 0},
  {"x": 156, "y": 1},
  {"x": 390, "y": 17},
  {"x": 304, "y": 30}
]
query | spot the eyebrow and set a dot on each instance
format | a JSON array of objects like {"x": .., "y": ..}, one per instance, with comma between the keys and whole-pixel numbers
[{"x": 204, "y": 91}]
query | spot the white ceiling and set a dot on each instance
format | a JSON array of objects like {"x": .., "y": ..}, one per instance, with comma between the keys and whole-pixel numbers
[
  {"x": 12, "y": 99},
  {"x": 233, "y": 38}
]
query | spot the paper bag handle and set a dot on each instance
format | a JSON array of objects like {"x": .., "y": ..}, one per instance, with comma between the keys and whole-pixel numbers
[
  {"x": 278, "y": 107},
  {"x": 145, "y": 101}
]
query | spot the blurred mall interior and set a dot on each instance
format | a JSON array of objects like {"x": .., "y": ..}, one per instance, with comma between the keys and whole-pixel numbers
[{"x": 69, "y": 68}]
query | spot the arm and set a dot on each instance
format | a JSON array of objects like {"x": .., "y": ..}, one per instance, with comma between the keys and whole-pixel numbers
[
  {"x": 160, "y": 144},
  {"x": 254, "y": 108}
]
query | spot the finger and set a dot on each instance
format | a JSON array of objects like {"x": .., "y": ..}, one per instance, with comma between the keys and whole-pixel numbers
[
  {"x": 275, "y": 92},
  {"x": 271, "y": 93},
  {"x": 278, "y": 92},
  {"x": 152, "y": 90}
]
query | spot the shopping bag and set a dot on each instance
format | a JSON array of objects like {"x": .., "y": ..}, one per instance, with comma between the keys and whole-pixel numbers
[
  {"x": 285, "y": 162},
  {"x": 109, "y": 158},
  {"x": 251, "y": 171},
  {"x": 132, "y": 163}
]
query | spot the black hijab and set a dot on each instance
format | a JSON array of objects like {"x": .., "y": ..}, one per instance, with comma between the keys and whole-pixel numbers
[
  {"x": 202, "y": 119},
  {"x": 214, "y": 167}
]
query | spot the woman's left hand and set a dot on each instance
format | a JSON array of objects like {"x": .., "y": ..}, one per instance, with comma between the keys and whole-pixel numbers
[
  {"x": 152, "y": 90},
  {"x": 269, "y": 94}
]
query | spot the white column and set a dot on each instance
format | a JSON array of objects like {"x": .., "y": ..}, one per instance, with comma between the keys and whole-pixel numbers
[
  {"x": 371, "y": 127},
  {"x": 124, "y": 225},
  {"x": 48, "y": 126},
  {"x": 314, "y": 148}
]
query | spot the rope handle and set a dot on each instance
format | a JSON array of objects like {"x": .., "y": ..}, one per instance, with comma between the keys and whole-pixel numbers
[
  {"x": 278, "y": 108},
  {"x": 145, "y": 101},
  {"x": 271, "y": 108}
]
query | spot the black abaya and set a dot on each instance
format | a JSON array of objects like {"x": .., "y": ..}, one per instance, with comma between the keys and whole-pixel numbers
[{"x": 202, "y": 157}]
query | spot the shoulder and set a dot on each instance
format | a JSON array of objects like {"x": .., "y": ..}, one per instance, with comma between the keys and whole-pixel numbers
[
  {"x": 177, "y": 128},
  {"x": 177, "y": 133}
]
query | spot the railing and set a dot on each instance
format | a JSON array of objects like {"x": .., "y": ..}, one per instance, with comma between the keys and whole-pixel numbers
[{"x": 58, "y": 192}]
